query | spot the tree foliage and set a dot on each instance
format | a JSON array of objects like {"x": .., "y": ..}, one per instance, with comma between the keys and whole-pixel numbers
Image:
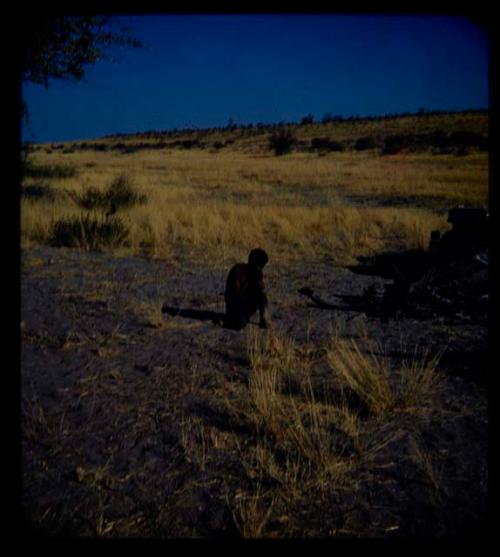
[
  {"x": 308, "y": 119},
  {"x": 282, "y": 141},
  {"x": 61, "y": 47}
]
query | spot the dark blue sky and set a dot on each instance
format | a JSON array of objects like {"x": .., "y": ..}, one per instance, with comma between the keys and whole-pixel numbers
[{"x": 201, "y": 70}]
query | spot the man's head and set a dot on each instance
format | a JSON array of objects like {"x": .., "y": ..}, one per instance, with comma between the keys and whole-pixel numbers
[{"x": 258, "y": 258}]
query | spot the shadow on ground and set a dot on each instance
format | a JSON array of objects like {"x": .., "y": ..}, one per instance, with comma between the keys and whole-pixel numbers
[{"x": 200, "y": 314}]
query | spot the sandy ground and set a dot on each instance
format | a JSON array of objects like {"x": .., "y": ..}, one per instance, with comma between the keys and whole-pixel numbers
[{"x": 109, "y": 382}]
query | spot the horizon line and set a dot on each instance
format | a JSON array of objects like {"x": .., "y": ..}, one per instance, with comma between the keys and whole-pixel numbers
[{"x": 333, "y": 118}]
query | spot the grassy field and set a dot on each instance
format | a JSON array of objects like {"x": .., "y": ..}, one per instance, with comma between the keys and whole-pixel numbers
[
  {"x": 142, "y": 422},
  {"x": 219, "y": 202}
]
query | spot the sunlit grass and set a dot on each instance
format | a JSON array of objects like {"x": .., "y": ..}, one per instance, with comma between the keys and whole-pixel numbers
[{"x": 295, "y": 206}]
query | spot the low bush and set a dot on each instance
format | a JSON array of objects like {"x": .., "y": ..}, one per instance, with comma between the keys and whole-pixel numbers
[
  {"x": 119, "y": 194},
  {"x": 365, "y": 143},
  {"x": 90, "y": 199},
  {"x": 122, "y": 193},
  {"x": 440, "y": 142},
  {"x": 282, "y": 141},
  {"x": 99, "y": 147},
  {"x": 31, "y": 170},
  {"x": 88, "y": 232},
  {"x": 325, "y": 144},
  {"x": 38, "y": 191},
  {"x": 309, "y": 119}
]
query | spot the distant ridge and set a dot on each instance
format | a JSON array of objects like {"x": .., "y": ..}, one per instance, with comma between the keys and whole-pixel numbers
[
  {"x": 438, "y": 131},
  {"x": 327, "y": 118}
]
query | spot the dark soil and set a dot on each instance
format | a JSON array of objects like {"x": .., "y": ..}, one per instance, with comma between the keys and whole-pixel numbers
[{"x": 112, "y": 396}]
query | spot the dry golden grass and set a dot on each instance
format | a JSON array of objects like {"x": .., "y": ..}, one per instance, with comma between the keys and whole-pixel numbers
[
  {"x": 150, "y": 311},
  {"x": 423, "y": 459},
  {"x": 219, "y": 204},
  {"x": 294, "y": 422},
  {"x": 410, "y": 387},
  {"x": 306, "y": 439},
  {"x": 194, "y": 441},
  {"x": 419, "y": 380},
  {"x": 251, "y": 514},
  {"x": 367, "y": 376}
]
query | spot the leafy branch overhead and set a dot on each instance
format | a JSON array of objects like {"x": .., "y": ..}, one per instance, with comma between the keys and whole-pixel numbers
[{"x": 61, "y": 47}]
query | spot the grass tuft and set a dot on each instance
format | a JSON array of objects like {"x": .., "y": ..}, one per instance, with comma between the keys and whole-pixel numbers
[
  {"x": 251, "y": 513},
  {"x": 366, "y": 375},
  {"x": 38, "y": 191},
  {"x": 409, "y": 386},
  {"x": 54, "y": 171},
  {"x": 296, "y": 427},
  {"x": 88, "y": 232}
]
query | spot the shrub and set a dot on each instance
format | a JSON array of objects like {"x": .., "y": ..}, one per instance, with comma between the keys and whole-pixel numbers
[
  {"x": 327, "y": 118},
  {"x": 365, "y": 143},
  {"x": 460, "y": 142},
  {"x": 309, "y": 119},
  {"x": 130, "y": 149},
  {"x": 119, "y": 194},
  {"x": 99, "y": 147},
  {"x": 439, "y": 141},
  {"x": 38, "y": 191},
  {"x": 394, "y": 144},
  {"x": 325, "y": 144},
  {"x": 90, "y": 199},
  {"x": 31, "y": 170},
  {"x": 190, "y": 143},
  {"x": 282, "y": 141},
  {"x": 87, "y": 232}
]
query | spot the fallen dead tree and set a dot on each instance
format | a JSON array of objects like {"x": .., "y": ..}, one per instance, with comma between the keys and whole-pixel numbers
[{"x": 449, "y": 279}]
